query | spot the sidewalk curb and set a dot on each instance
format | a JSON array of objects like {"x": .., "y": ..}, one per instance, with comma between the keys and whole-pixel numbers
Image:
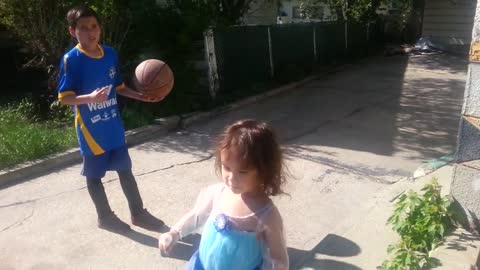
[
  {"x": 29, "y": 170},
  {"x": 432, "y": 166}
]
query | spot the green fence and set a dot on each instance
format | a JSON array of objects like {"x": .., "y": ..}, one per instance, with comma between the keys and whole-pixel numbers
[
  {"x": 243, "y": 56},
  {"x": 247, "y": 56},
  {"x": 292, "y": 50},
  {"x": 330, "y": 43}
]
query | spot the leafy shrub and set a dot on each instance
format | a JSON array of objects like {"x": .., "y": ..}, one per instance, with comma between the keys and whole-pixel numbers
[{"x": 421, "y": 221}]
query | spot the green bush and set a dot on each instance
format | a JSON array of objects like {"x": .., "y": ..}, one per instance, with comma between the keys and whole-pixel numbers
[
  {"x": 134, "y": 116},
  {"x": 421, "y": 221}
]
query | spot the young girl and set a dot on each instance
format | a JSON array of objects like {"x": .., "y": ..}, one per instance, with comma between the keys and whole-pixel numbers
[{"x": 243, "y": 229}]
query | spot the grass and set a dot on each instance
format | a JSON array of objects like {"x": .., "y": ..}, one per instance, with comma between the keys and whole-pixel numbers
[
  {"x": 21, "y": 140},
  {"x": 24, "y": 137}
]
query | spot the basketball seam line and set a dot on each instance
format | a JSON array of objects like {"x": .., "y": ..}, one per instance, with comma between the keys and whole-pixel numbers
[
  {"x": 143, "y": 76},
  {"x": 154, "y": 77},
  {"x": 161, "y": 86}
]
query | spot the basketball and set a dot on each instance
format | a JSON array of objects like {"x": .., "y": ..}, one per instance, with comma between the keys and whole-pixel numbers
[{"x": 153, "y": 78}]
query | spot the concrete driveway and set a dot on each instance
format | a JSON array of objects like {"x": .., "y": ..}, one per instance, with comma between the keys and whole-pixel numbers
[{"x": 347, "y": 136}]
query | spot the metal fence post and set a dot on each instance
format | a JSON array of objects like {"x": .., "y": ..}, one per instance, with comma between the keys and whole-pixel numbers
[
  {"x": 272, "y": 68},
  {"x": 211, "y": 57},
  {"x": 346, "y": 35},
  {"x": 315, "y": 57},
  {"x": 368, "y": 31}
]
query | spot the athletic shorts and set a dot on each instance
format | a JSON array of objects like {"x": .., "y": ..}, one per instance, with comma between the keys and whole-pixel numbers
[{"x": 114, "y": 160}]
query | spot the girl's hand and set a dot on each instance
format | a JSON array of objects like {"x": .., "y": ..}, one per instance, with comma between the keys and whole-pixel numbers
[
  {"x": 167, "y": 241},
  {"x": 100, "y": 94}
]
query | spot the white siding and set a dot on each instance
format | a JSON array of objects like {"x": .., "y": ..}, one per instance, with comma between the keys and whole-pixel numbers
[
  {"x": 289, "y": 6},
  {"x": 262, "y": 12},
  {"x": 450, "y": 20}
]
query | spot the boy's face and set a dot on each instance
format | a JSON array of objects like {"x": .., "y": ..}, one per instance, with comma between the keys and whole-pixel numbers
[{"x": 87, "y": 32}]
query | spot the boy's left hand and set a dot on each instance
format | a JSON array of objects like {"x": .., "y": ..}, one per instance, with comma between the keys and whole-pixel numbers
[
  {"x": 128, "y": 92},
  {"x": 152, "y": 99},
  {"x": 146, "y": 98}
]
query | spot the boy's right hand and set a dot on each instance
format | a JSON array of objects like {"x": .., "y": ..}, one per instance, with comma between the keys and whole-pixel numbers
[
  {"x": 167, "y": 241},
  {"x": 99, "y": 95}
]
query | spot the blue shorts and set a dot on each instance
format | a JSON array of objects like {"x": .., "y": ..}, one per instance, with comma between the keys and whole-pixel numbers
[{"x": 114, "y": 160}]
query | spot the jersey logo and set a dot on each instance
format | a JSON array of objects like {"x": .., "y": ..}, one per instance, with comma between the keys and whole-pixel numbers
[
  {"x": 95, "y": 119},
  {"x": 112, "y": 72}
]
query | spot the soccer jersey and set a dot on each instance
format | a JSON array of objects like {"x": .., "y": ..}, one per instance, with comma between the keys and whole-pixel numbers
[{"x": 99, "y": 126}]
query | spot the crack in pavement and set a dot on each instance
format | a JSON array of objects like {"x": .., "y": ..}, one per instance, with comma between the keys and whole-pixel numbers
[
  {"x": 179, "y": 164},
  {"x": 106, "y": 182},
  {"x": 359, "y": 170},
  {"x": 18, "y": 223}
]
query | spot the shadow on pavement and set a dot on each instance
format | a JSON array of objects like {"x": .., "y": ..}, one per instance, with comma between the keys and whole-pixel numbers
[
  {"x": 460, "y": 241},
  {"x": 320, "y": 256},
  {"x": 141, "y": 238},
  {"x": 331, "y": 265},
  {"x": 334, "y": 245},
  {"x": 185, "y": 248}
]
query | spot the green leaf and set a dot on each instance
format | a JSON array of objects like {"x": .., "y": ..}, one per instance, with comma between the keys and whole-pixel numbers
[
  {"x": 441, "y": 230},
  {"x": 408, "y": 259}
]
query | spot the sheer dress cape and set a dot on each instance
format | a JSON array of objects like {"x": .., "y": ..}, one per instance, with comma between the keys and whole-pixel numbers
[{"x": 244, "y": 233}]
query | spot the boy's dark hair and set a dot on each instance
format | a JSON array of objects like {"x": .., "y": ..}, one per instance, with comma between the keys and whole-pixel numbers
[
  {"x": 78, "y": 12},
  {"x": 257, "y": 146}
]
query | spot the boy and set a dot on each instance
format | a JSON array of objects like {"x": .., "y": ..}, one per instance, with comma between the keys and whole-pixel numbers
[{"x": 90, "y": 80}]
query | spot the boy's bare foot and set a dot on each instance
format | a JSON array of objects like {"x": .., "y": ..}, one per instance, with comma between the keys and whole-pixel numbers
[
  {"x": 147, "y": 221},
  {"x": 112, "y": 223}
]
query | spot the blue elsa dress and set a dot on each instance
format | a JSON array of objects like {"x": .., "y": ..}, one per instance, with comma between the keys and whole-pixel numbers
[{"x": 223, "y": 246}]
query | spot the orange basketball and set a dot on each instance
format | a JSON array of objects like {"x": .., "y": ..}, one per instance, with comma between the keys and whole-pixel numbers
[{"x": 153, "y": 78}]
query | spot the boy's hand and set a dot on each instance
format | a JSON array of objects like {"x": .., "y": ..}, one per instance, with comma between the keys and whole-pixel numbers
[
  {"x": 151, "y": 99},
  {"x": 130, "y": 93},
  {"x": 167, "y": 241},
  {"x": 100, "y": 94}
]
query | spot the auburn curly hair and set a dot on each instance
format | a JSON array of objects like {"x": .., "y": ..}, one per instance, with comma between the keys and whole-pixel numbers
[{"x": 257, "y": 145}]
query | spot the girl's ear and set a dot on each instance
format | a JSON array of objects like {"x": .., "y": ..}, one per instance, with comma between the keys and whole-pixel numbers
[{"x": 71, "y": 30}]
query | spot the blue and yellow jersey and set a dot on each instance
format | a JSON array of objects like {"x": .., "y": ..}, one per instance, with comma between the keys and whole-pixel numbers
[{"x": 99, "y": 126}]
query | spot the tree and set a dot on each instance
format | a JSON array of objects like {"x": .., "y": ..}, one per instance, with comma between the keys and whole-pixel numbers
[
  {"x": 39, "y": 24},
  {"x": 222, "y": 12},
  {"x": 42, "y": 28}
]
